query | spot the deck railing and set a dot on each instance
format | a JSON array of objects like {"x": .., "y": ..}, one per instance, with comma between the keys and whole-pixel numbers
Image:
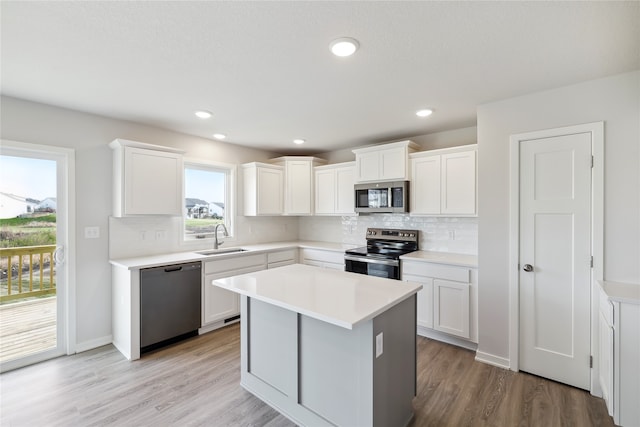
[{"x": 28, "y": 271}]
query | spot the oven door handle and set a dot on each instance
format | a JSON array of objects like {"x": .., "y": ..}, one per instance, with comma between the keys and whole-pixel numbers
[{"x": 371, "y": 260}]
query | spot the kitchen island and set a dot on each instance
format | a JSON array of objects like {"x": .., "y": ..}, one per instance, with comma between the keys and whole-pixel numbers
[{"x": 327, "y": 347}]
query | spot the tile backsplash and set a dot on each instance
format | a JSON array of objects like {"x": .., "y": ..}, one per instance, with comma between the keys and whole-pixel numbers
[{"x": 443, "y": 234}]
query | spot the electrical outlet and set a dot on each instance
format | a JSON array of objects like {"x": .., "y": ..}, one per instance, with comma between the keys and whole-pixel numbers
[
  {"x": 143, "y": 235},
  {"x": 92, "y": 232},
  {"x": 379, "y": 345},
  {"x": 161, "y": 235},
  {"x": 452, "y": 235}
]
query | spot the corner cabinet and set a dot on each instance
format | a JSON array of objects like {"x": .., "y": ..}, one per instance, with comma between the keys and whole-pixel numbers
[
  {"x": 263, "y": 189},
  {"x": 219, "y": 306},
  {"x": 448, "y": 300},
  {"x": 385, "y": 162},
  {"x": 334, "y": 191},
  {"x": 298, "y": 183},
  {"x": 138, "y": 188},
  {"x": 443, "y": 182}
]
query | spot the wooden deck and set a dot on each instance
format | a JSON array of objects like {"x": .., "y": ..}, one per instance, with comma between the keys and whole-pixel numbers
[{"x": 27, "y": 328}]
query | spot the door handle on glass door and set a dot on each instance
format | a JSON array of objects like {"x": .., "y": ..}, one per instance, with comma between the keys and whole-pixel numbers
[{"x": 528, "y": 268}]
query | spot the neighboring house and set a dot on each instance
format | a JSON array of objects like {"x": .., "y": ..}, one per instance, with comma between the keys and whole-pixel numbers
[
  {"x": 196, "y": 208},
  {"x": 217, "y": 209},
  {"x": 47, "y": 205},
  {"x": 12, "y": 206}
]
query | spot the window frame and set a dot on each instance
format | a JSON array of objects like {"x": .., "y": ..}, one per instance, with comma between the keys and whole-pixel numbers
[{"x": 230, "y": 171}]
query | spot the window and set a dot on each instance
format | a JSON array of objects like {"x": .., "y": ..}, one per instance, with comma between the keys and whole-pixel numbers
[{"x": 208, "y": 201}]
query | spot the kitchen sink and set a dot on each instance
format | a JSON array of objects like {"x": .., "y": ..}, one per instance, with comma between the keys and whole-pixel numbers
[{"x": 220, "y": 251}]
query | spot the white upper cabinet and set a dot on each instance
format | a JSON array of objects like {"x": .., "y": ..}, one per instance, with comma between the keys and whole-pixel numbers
[
  {"x": 298, "y": 187},
  {"x": 138, "y": 187},
  {"x": 334, "y": 193},
  {"x": 443, "y": 182},
  {"x": 386, "y": 162},
  {"x": 263, "y": 189}
]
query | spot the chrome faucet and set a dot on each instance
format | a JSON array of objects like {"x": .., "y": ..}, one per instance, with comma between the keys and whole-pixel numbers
[{"x": 215, "y": 235}]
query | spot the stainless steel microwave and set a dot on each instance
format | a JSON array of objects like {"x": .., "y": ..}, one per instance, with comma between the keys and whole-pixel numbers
[{"x": 382, "y": 197}]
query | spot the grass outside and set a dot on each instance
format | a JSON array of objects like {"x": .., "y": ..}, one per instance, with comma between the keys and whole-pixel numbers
[
  {"x": 201, "y": 225},
  {"x": 28, "y": 231}
]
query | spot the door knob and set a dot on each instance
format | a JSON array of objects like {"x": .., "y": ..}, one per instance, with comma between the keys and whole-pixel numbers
[{"x": 528, "y": 268}]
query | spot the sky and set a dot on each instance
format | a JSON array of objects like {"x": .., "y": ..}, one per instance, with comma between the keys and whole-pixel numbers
[
  {"x": 205, "y": 185},
  {"x": 26, "y": 177}
]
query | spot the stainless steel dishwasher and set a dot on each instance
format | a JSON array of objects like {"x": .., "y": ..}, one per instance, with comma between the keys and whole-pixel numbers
[{"x": 170, "y": 304}]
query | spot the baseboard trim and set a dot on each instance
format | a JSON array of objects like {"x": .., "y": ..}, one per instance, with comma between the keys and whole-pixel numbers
[
  {"x": 491, "y": 359},
  {"x": 91, "y": 344},
  {"x": 449, "y": 339}
]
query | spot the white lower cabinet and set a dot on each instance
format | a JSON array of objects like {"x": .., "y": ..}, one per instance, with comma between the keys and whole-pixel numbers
[
  {"x": 282, "y": 258},
  {"x": 451, "y": 307},
  {"x": 619, "y": 354},
  {"x": 220, "y": 305},
  {"x": 320, "y": 258},
  {"x": 447, "y": 302}
]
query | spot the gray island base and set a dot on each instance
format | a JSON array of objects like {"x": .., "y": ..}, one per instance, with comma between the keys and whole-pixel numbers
[{"x": 317, "y": 366}]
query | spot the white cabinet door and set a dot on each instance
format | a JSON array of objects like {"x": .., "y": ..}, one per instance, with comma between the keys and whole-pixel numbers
[
  {"x": 263, "y": 189},
  {"x": 424, "y": 299},
  {"x": 393, "y": 163},
  {"x": 219, "y": 304},
  {"x": 368, "y": 166},
  {"x": 325, "y": 191},
  {"x": 451, "y": 307},
  {"x": 138, "y": 188},
  {"x": 334, "y": 193},
  {"x": 298, "y": 188},
  {"x": 425, "y": 185},
  {"x": 345, "y": 197},
  {"x": 459, "y": 183},
  {"x": 270, "y": 191}
]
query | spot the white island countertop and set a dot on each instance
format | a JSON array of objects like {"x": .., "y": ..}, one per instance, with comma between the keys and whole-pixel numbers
[{"x": 337, "y": 297}]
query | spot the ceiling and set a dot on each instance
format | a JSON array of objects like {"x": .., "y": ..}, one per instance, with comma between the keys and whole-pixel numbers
[{"x": 265, "y": 71}]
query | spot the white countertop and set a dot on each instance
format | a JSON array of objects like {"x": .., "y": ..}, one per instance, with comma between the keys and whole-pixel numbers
[
  {"x": 462, "y": 260},
  {"x": 621, "y": 292},
  {"x": 337, "y": 297},
  {"x": 188, "y": 256}
]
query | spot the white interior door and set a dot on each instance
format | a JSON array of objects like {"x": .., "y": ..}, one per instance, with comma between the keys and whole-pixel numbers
[{"x": 555, "y": 257}]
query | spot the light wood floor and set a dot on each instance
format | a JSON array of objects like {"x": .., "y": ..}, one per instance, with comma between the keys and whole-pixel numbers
[
  {"x": 196, "y": 383},
  {"x": 27, "y": 327}
]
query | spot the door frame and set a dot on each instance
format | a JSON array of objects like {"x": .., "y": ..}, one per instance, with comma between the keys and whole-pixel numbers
[
  {"x": 65, "y": 178},
  {"x": 596, "y": 129}
]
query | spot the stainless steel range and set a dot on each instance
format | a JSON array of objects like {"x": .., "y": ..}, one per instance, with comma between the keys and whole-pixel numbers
[{"x": 381, "y": 256}]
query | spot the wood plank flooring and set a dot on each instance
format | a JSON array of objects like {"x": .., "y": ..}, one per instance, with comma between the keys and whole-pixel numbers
[
  {"x": 27, "y": 327},
  {"x": 196, "y": 383}
]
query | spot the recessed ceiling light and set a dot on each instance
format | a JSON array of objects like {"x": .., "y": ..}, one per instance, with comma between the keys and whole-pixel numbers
[
  {"x": 298, "y": 141},
  {"x": 344, "y": 46},
  {"x": 219, "y": 135},
  {"x": 424, "y": 113},
  {"x": 203, "y": 114}
]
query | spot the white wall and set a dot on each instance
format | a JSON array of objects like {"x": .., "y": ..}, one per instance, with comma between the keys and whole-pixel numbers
[
  {"x": 89, "y": 135},
  {"x": 430, "y": 141},
  {"x": 614, "y": 100}
]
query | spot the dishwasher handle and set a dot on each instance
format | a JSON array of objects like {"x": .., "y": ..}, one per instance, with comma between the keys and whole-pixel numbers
[{"x": 171, "y": 269}]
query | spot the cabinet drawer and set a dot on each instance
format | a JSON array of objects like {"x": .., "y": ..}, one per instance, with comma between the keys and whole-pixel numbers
[
  {"x": 437, "y": 271},
  {"x": 324, "y": 256},
  {"x": 244, "y": 261},
  {"x": 288, "y": 255}
]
